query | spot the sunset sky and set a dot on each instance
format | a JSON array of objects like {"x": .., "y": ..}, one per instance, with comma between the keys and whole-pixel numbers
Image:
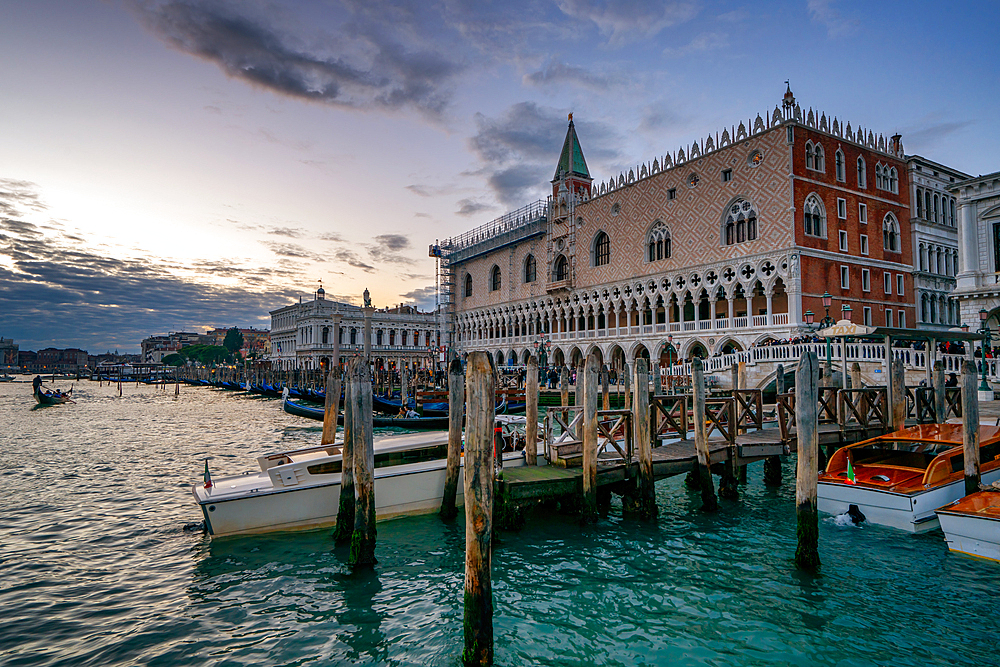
[{"x": 176, "y": 165}]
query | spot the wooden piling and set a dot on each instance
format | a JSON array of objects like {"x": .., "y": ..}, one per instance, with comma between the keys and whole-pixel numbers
[
  {"x": 404, "y": 389},
  {"x": 456, "y": 408},
  {"x": 531, "y": 413},
  {"x": 940, "y": 403},
  {"x": 643, "y": 440},
  {"x": 606, "y": 402},
  {"x": 709, "y": 502},
  {"x": 970, "y": 426},
  {"x": 898, "y": 390},
  {"x": 331, "y": 405},
  {"x": 772, "y": 464},
  {"x": 346, "y": 507},
  {"x": 564, "y": 386},
  {"x": 363, "y": 540},
  {"x": 856, "y": 382},
  {"x": 587, "y": 380},
  {"x": 657, "y": 381},
  {"x": 478, "y": 619},
  {"x": 578, "y": 389},
  {"x": 806, "y": 476}
]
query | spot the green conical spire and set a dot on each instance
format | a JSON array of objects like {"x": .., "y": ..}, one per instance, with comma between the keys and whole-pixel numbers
[{"x": 571, "y": 160}]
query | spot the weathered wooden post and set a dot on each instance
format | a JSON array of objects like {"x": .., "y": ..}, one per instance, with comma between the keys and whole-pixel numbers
[
  {"x": 363, "y": 540},
  {"x": 657, "y": 381},
  {"x": 709, "y": 502},
  {"x": 564, "y": 386},
  {"x": 479, "y": 510},
  {"x": 331, "y": 405},
  {"x": 531, "y": 413},
  {"x": 806, "y": 476},
  {"x": 970, "y": 426},
  {"x": 856, "y": 382},
  {"x": 578, "y": 389},
  {"x": 735, "y": 371},
  {"x": 587, "y": 380},
  {"x": 898, "y": 395},
  {"x": 643, "y": 440},
  {"x": 772, "y": 464},
  {"x": 606, "y": 402},
  {"x": 940, "y": 402},
  {"x": 628, "y": 385},
  {"x": 345, "y": 511},
  {"x": 456, "y": 408},
  {"x": 404, "y": 389}
]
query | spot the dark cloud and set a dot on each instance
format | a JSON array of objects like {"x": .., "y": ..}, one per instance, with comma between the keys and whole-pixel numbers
[
  {"x": 425, "y": 298},
  {"x": 16, "y": 195},
  {"x": 331, "y": 236},
  {"x": 520, "y": 148},
  {"x": 290, "y": 232},
  {"x": 292, "y": 250},
  {"x": 470, "y": 207},
  {"x": 388, "y": 248},
  {"x": 632, "y": 21},
  {"x": 351, "y": 258},
  {"x": 365, "y": 60},
  {"x": 556, "y": 72}
]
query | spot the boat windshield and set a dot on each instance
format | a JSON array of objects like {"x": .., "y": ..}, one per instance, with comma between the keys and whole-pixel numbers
[{"x": 898, "y": 453}]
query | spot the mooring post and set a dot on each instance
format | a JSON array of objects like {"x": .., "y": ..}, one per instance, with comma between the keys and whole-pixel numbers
[
  {"x": 772, "y": 464},
  {"x": 709, "y": 501},
  {"x": 970, "y": 426},
  {"x": 940, "y": 402},
  {"x": 531, "y": 413},
  {"x": 606, "y": 397},
  {"x": 456, "y": 408},
  {"x": 345, "y": 511},
  {"x": 657, "y": 380},
  {"x": 898, "y": 390},
  {"x": 806, "y": 476},
  {"x": 578, "y": 389},
  {"x": 856, "y": 376},
  {"x": 479, "y": 510},
  {"x": 587, "y": 380},
  {"x": 363, "y": 540},
  {"x": 404, "y": 390},
  {"x": 331, "y": 405},
  {"x": 628, "y": 384},
  {"x": 643, "y": 440},
  {"x": 735, "y": 372},
  {"x": 564, "y": 386}
]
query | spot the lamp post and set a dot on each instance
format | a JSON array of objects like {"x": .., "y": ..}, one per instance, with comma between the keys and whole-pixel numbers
[
  {"x": 542, "y": 347},
  {"x": 984, "y": 329}
]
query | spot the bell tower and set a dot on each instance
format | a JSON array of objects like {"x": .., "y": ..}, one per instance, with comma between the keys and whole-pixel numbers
[{"x": 572, "y": 172}]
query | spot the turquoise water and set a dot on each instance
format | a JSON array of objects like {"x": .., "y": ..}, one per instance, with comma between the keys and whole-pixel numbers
[{"x": 102, "y": 562}]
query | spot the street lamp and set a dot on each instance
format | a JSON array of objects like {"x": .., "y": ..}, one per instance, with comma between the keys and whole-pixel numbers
[
  {"x": 827, "y": 321},
  {"x": 984, "y": 329},
  {"x": 846, "y": 312},
  {"x": 542, "y": 346}
]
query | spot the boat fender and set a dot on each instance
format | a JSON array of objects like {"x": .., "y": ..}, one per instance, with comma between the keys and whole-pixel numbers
[{"x": 856, "y": 515}]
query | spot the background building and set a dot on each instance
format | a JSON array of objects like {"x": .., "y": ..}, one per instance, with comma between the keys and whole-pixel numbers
[
  {"x": 8, "y": 353},
  {"x": 934, "y": 224},
  {"x": 978, "y": 279},
  {"x": 302, "y": 335},
  {"x": 155, "y": 348},
  {"x": 720, "y": 246}
]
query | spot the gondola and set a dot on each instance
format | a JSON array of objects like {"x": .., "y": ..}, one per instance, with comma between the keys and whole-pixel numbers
[
  {"x": 379, "y": 421},
  {"x": 51, "y": 397}
]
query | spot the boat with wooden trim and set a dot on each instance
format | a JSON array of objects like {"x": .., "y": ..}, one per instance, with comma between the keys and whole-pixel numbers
[
  {"x": 300, "y": 489},
  {"x": 972, "y": 525},
  {"x": 379, "y": 421},
  {"x": 49, "y": 396},
  {"x": 899, "y": 479}
]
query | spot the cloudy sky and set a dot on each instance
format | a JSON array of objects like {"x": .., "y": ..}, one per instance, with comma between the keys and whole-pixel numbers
[{"x": 170, "y": 165}]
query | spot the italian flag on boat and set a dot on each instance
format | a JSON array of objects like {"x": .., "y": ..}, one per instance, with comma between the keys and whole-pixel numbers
[
  {"x": 208, "y": 476},
  {"x": 851, "y": 479}
]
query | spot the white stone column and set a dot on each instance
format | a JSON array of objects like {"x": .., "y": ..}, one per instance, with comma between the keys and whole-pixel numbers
[
  {"x": 770, "y": 318},
  {"x": 968, "y": 246}
]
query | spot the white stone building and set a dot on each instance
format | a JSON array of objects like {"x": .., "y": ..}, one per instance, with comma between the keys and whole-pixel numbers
[
  {"x": 934, "y": 225},
  {"x": 305, "y": 335},
  {"x": 978, "y": 279}
]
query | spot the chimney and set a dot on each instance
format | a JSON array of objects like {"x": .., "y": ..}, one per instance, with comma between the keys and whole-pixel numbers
[{"x": 896, "y": 145}]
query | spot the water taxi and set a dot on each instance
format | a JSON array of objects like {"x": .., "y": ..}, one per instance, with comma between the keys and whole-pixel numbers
[
  {"x": 300, "y": 489},
  {"x": 972, "y": 525},
  {"x": 899, "y": 479}
]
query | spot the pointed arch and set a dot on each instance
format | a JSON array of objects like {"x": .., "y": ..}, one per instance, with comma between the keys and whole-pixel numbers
[
  {"x": 530, "y": 268},
  {"x": 560, "y": 268},
  {"x": 839, "y": 167},
  {"x": 601, "y": 249},
  {"x": 658, "y": 242},
  {"x": 890, "y": 233},
  {"x": 862, "y": 173},
  {"x": 468, "y": 284},
  {"x": 739, "y": 222},
  {"x": 814, "y": 216}
]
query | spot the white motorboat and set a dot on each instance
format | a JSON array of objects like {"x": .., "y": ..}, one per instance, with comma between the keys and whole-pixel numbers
[
  {"x": 300, "y": 489},
  {"x": 972, "y": 525},
  {"x": 899, "y": 479}
]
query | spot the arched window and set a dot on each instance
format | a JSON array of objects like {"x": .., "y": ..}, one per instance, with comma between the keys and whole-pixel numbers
[
  {"x": 740, "y": 223},
  {"x": 890, "y": 233},
  {"x": 927, "y": 204},
  {"x": 529, "y": 269},
  {"x": 937, "y": 208},
  {"x": 602, "y": 249},
  {"x": 920, "y": 202},
  {"x": 810, "y": 156},
  {"x": 560, "y": 270},
  {"x": 495, "y": 278},
  {"x": 814, "y": 217},
  {"x": 326, "y": 335},
  {"x": 923, "y": 258},
  {"x": 894, "y": 181},
  {"x": 820, "y": 158},
  {"x": 839, "y": 163},
  {"x": 862, "y": 173},
  {"x": 659, "y": 242},
  {"x": 878, "y": 177},
  {"x": 468, "y": 284},
  {"x": 951, "y": 215}
]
